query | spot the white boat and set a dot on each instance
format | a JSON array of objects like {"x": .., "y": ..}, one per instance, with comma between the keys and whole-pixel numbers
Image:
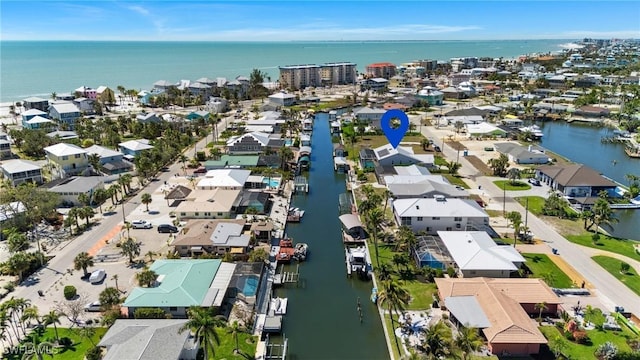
[
  {"x": 358, "y": 262},
  {"x": 278, "y": 306},
  {"x": 535, "y": 131},
  {"x": 300, "y": 253},
  {"x": 296, "y": 212}
]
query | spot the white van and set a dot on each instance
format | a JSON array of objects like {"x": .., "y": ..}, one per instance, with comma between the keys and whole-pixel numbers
[{"x": 97, "y": 276}]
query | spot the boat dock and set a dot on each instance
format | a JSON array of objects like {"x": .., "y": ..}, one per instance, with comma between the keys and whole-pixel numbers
[
  {"x": 300, "y": 184},
  {"x": 286, "y": 277},
  {"x": 624, "y": 206}
]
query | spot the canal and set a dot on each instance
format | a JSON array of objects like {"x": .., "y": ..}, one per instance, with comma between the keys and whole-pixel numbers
[
  {"x": 322, "y": 320},
  {"x": 580, "y": 143}
]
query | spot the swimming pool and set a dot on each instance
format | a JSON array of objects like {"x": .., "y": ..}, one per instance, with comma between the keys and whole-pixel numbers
[
  {"x": 249, "y": 285},
  {"x": 288, "y": 142},
  {"x": 273, "y": 183}
]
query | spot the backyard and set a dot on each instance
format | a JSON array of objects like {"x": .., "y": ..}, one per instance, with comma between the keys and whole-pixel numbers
[
  {"x": 573, "y": 350},
  {"x": 542, "y": 267},
  {"x": 613, "y": 266},
  {"x": 607, "y": 243},
  {"x": 79, "y": 344}
]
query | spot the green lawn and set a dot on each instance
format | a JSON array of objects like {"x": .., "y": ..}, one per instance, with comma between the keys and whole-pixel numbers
[
  {"x": 512, "y": 186},
  {"x": 542, "y": 267},
  {"x": 630, "y": 278},
  {"x": 577, "y": 351},
  {"x": 536, "y": 203},
  {"x": 456, "y": 180},
  {"x": 246, "y": 342},
  {"x": 392, "y": 335},
  {"x": 75, "y": 352},
  {"x": 619, "y": 246}
]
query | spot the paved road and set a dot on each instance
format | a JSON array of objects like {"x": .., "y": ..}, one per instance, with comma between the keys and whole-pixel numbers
[{"x": 610, "y": 290}]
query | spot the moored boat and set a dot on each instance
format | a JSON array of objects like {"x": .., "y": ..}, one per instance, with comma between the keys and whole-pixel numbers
[
  {"x": 300, "y": 253},
  {"x": 358, "y": 262}
]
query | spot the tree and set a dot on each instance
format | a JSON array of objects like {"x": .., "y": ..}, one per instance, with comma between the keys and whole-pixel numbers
[
  {"x": 425, "y": 144},
  {"x": 87, "y": 213},
  {"x": 286, "y": 154},
  {"x": 258, "y": 255},
  {"x": 82, "y": 261},
  {"x": 17, "y": 241},
  {"x": 203, "y": 323},
  {"x": 459, "y": 125},
  {"x": 30, "y": 313},
  {"x": 52, "y": 318},
  {"x": 109, "y": 298},
  {"x": 87, "y": 332},
  {"x": 624, "y": 267},
  {"x": 183, "y": 159},
  {"x": 515, "y": 219},
  {"x": 94, "y": 161},
  {"x": 17, "y": 264},
  {"x": 513, "y": 175},
  {"x": 235, "y": 330},
  {"x": 115, "y": 279},
  {"x": 602, "y": 214},
  {"x": 35, "y": 349},
  {"x": 146, "y": 199},
  {"x": 130, "y": 248},
  {"x": 373, "y": 220},
  {"x": 147, "y": 277},
  {"x": 453, "y": 167},
  {"x": 541, "y": 306},
  {"x": 395, "y": 298},
  {"x": 437, "y": 340},
  {"x": 499, "y": 165},
  {"x": 468, "y": 340},
  {"x": 150, "y": 254}
]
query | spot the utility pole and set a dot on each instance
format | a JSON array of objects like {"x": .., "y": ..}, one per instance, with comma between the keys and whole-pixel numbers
[
  {"x": 504, "y": 199},
  {"x": 526, "y": 212}
]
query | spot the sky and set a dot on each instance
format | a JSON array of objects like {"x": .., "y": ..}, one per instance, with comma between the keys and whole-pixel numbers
[{"x": 316, "y": 20}]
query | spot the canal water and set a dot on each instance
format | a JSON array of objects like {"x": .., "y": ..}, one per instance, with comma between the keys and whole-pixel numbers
[
  {"x": 580, "y": 143},
  {"x": 322, "y": 320}
]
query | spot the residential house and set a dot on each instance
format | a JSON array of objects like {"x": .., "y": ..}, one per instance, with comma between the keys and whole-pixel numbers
[
  {"x": 208, "y": 204},
  {"x": 575, "y": 180},
  {"x": 199, "y": 89},
  {"x": 233, "y": 162},
  {"x": 433, "y": 97},
  {"x": 63, "y": 135},
  {"x": 145, "y": 118},
  {"x": 70, "y": 188},
  {"x": 375, "y": 84},
  {"x": 18, "y": 171},
  {"x": 216, "y": 105},
  {"x": 519, "y": 154},
  {"x": 339, "y": 150},
  {"x": 163, "y": 85},
  {"x": 485, "y": 129},
  {"x": 282, "y": 99},
  {"x": 260, "y": 201},
  {"x": 111, "y": 161},
  {"x": 592, "y": 111},
  {"x": 199, "y": 115},
  {"x": 503, "y": 310},
  {"x": 213, "y": 237},
  {"x": 144, "y": 339},
  {"x": 252, "y": 143},
  {"x": 440, "y": 214},
  {"x": 423, "y": 186},
  {"x": 370, "y": 116},
  {"x": 228, "y": 179},
  {"x": 12, "y": 215},
  {"x": 84, "y": 104},
  {"x": 67, "y": 159},
  {"x": 412, "y": 170},
  {"x": 37, "y": 103},
  {"x": 133, "y": 148},
  {"x": 181, "y": 284},
  {"x": 86, "y": 92},
  {"x": 387, "y": 155},
  {"x": 30, "y": 114},
  {"x": 453, "y": 93},
  {"x": 472, "y": 111},
  {"x": 476, "y": 254},
  {"x": 65, "y": 113},
  {"x": 37, "y": 122},
  {"x": 5, "y": 146}
]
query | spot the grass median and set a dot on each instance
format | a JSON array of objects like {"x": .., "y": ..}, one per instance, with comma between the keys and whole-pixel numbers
[{"x": 628, "y": 277}]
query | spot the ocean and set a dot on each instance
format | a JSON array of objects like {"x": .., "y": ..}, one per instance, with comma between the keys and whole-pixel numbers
[{"x": 38, "y": 68}]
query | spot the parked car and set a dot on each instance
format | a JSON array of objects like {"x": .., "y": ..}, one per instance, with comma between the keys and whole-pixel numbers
[
  {"x": 92, "y": 307},
  {"x": 166, "y": 228},
  {"x": 141, "y": 224},
  {"x": 200, "y": 170},
  {"x": 534, "y": 181},
  {"x": 97, "y": 276}
]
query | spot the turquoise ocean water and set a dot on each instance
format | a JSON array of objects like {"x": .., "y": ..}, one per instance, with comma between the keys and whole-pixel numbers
[{"x": 39, "y": 68}]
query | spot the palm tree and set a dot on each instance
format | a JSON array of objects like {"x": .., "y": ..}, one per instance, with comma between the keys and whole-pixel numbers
[
  {"x": 285, "y": 155},
  {"x": 30, "y": 313},
  {"x": 146, "y": 199},
  {"x": 87, "y": 332},
  {"x": 82, "y": 261},
  {"x": 150, "y": 254},
  {"x": 373, "y": 220},
  {"x": 146, "y": 277},
  {"x": 130, "y": 248},
  {"x": 17, "y": 264},
  {"x": 386, "y": 194},
  {"x": 87, "y": 213},
  {"x": 215, "y": 153},
  {"x": 203, "y": 323},
  {"x": 513, "y": 174},
  {"x": 52, "y": 317},
  {"x": 35, "y": 349},
  {"x": 109, "y": 298},
  {"x": 395, "y": 298},
  {"x": 94, "y": 161},
  {"x": 125, "y": 180},
  {"x": 437, "y": 340},
  {"x": 115, "y": 278},
  {"x": 183, "y": 159},
  {"x": 602, "y": 214},
  {"x": 235, "y": 330},
  {"x": 541, "y": 306},
  {"x": 468, "y": 340},
  {"x": 17, "y": 241},
  {"x": 384, "y": 272}
]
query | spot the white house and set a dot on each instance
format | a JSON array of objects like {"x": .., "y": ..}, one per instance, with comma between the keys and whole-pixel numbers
[
  {"x": 65, "y": 113},
  {"x": 229, "y": 179},
  {"x": 110, "y": 160},
  {"x": 440, "y": 214},
  {"x": 70, "y": 189},
  {"x": 18, "y": 171},
  {"x": 133, "y": 148},
  {"x": 386, "y": 155},
  {"x": 249, "y": 143},
  {"x": 422, "y": 186},
  {"x": 484, "y": 129},
  {"x": 282, "y": 99},
  {"x": 476, "y": 254},
  {"x": 520, "y": 155},
  {"x": 370, "y": 116}
]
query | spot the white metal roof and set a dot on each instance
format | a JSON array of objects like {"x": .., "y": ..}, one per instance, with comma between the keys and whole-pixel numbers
[
  {"x": 432, "y": 207},
  {"x": 18, "y": 165},
  {"x": 475, "y": 250},
  {"x": 63, "y": 149}
]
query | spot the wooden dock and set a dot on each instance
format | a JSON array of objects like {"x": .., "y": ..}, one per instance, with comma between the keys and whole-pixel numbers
[{"x": 286, "y": 277}]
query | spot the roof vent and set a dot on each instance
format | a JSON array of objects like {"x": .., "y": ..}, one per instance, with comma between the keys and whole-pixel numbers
[
  {"x": 440, "y": 198},
  {"x": 417, "y": 207}
]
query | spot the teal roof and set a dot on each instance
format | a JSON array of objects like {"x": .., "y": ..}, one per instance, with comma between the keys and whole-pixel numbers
[
  {"x": 182, "y": 283},
  {"x": 234, "y": 160}
]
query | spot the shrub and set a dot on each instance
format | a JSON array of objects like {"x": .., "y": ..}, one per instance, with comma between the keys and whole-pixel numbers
[
  {"x": 65, "y": 341},
  {"x": 149, "y": 313},
  {"x": 580, "y": 336},
  {"x": 95, "y": 353},
  {"x": 451, "y": 272},
  {"x": 70, "y": 292},
  {"x": 10, "y": 286}
]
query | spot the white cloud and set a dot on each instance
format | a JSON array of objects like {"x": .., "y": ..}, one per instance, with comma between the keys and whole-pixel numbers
[{"x": 139, "y": 9}]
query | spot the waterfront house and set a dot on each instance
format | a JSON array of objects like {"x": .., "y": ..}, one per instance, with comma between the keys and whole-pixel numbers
[
  {"x": 86, "y": 92},
  {"x": 216, "y": 237},
  {"x": 37, "y": 122},
  {"x": 257, "y": 200},
  {"x": 387, "y": 155},
  {"x": 484, "y": 129},
  {"x": 503, "y": 310},
  {"x": 475, "y": 254},
  {"x": 519, "y": 154},
  {"x": 253, "y": 143},
  {"x": 5, "y": 146},
  {"x": 63, "y": 135},
  {"x": 70, "y": 188},
  {"x": 30, "y": 114},
  {"x": 111, "y": 161},
  {"x": 376, "y": 85},
  {"x": 163, "y": 85},
  {"x": 216, "y": 105},
  {"x": 233, "y": 162},
  {"x": 367, "y": 159},
  {"x": 439, "y": 214},
  {"x": 228, "y": 179},
  {"x": 198, "y": 89},
  {"x": 423, "y": 186},
  {"x": 282, "y": 99},
  {"x": 145, "y": 118},
  {"x": 208, "y": 204},
  {"x": 18, "y": 171},
  {"x": 84, "y": 104},
  {"x": 592, "y": 111},
  {"x": 133, "y": 148},
  {"x": 339, "y": 150},
  {"x": 182, "y": 283},
  {"x": 65, "y": 113},
  {"x": 142, "y": 339},
  {"x": 370, "y": 116},
  {"x": 35, "y": 102},
  {"x": 577, "y": 181},
  {"x": 67, "y": 159}
]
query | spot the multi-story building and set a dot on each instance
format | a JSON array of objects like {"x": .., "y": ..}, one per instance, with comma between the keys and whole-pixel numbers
[
  {"x": 67, "y": 159},
  {"x": 18, "y": 171},
  {"x": 385, "y": 70},
  {"x": 65, "y": 113},
  {"x": 342, "y": 73},
  {"x": 299, "y": 76},
  {"x": 36, "y": 103}
]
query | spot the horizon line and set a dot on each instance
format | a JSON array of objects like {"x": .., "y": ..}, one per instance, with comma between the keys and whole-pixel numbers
[{"x": 281, "y": 41}]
